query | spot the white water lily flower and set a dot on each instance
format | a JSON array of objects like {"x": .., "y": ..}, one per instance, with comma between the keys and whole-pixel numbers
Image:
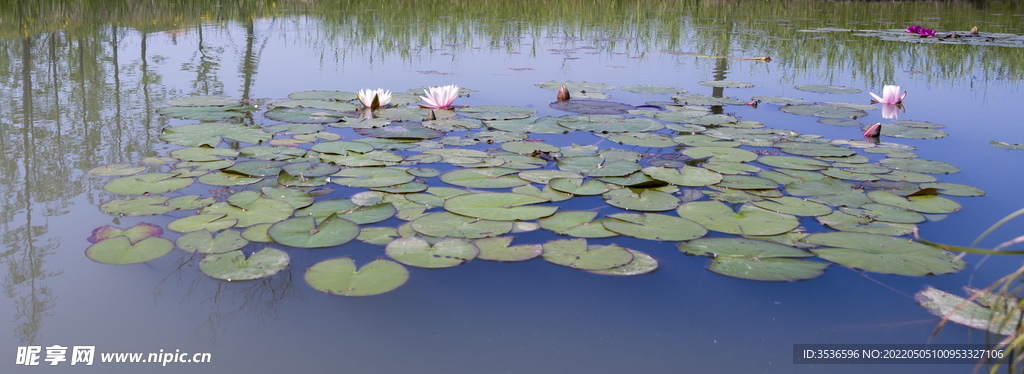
[
  {"x": 890, "y": 95},
  {"x": 367, "y": 97},
  {"x": 440, "y": 97}
]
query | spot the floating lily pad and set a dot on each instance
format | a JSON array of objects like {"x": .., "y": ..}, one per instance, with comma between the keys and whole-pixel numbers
[
  {"x": 646, "y": 201},
  {"x": 115, "y": 170},
  {"x": 207, "y": 113},
  {"x": 257, "y": 168},
  {"x": 591, "y": 106},
  {"x": 779, "y": 100},
  {"x": 721, "y": 154},
  {"x": 794, "y": 206},
  {"x": 637, "y": 179},
  {"x": 746, "y": 182},
  {"x": 371, "y": 177},
  {"x": 483, "y": 178},
  {"x": 767, "y": 269},
  {"x": 824, "y": 111},
  {"x": 323, "y": 95},
  {"x": 955, "y": 189},
  {"x": 573, "y": 86},
  {"x": 497, "y": 112},
  {"x": 547, "y": 193},
  {"x": 234, "y": 266},
  {"x": 209, "y": 222},
  {"x": 543, "y": 125},
  {"x": 152, "y": 183},
  {"x": 923, "y": 204},
  {"x": 576, "y": 186},
  {"x": 498, "y": 249},
  {"x": 726, "y": 84},
  {"x": 750, "y": 220},
  {"x": 203, "y": 242},
  {"x": 897, "y": 131},
  {"x": 377, "y": 235},
  {"x": 307, "y": 115},
  {"x": 824, "y": 88},
  {"x": 576, "y": 223},
  {"x": 401, "y": 131},
  {"x": 211, "y": 133},
  {"x": 227, "y": 179},
  {"x": 740, "y": 247},
  {"x": 795, "y": 163},
  {"x": 653, "y": 226},
  {"x": 448, "y": 252},
  {"x": 884, "y": 254},
  {"x": 262, "y": 210},
  {"x": 1005, "y": 145},
  {"x": 499, "y": 206},
  {"x": 962, "y": 312},
  {"x": 640, "y": 139},
  {"x": 266, "y": 152},
  {"x": 303, "y": 232},
  {"x": 652, "y": 89},
  {"x": 847, "y": 222},
  {"x": 609, "y": 124},
  {"x": 885, "y": 213},
  {"x": 120, "y": 251},
  {"x": 134, "y": 234},
  {"x": 575, "y": 253},
  {"x": 451, "y": 124},
  {"x": 337, "y": 106},
  {"x": 642, "y": 263},
  {"x": 545, "y": 176},
  {"x": 338, "y": 276},
  {"x": 814, "y": 149},
  {"x": 257, "y": 233},
  {"x": 527, "y": 148},
  {"x": 138, "y": 206},
  {"x": 698, "y": 99},
  {"x": 919, "y": 166},
  {"x": 447, "y": 224}
]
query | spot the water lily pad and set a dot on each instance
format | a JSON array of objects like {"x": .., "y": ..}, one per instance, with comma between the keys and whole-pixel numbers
[
  {"x": 640, "y": 139},
  {"x": 257, "y": 233},
  {"x": 152, "y": 183},
  {"x": 688, "y": 176},
  {"x": 955, "y": 189},
  {"x": 342, "y": 147},
  {"x": 897, "y": 131},
  {"x": 303, "y": 232},
  {"x": 746, "y": 182},
  {"x": 637, "y": 179},
  {"x": 642, "y": 263},
  {"x": 884, "y": 254},
  {"x": 824, "y": 111},
  {"x": 698, "y": 99},
  {"x": 885, "y": 213},
  {"x": 336, "y": 106},
  {"x": 923, "y": 204},
  {"x": 768, "y": 269},
  {"x": 207, "y": 113},
  {"x": 750, "y": 220},
  {"x": 545, "y": 176},
  {"x": 448, "y": 252},
  {"x": 547, "y": 193},
  {"x": 576, "y": 223},
  {"x": 779, "y": 100},
  {"x": 573, "y": 86},
  {"x": 576, "y": 186},
  {"x": 209, "y": 222},
  {"x": 740, "y": 247},
  {"x": 307, "y": 115},
  {"x": 814, "y": 149},
  {"x": 499, "y": 206},
  {"x": 338, "y": 276},
  {"x": 497, "y": 112},
  {"x": 731, "y": 168},
  {"x": 257, "y": 168},
  {"x": 543, "y": 125},
  {"x": 824, "y": 88},
  {"x": 371, "y": 177},
  {"x": 652, "y": 89},
  {"x": 498, "y": 249},
  {"x": 575, "y": 253},
  {"x": 115, "y": 170},
  {"x": 726, "y": 84},
  {"x": 451, "y": 124},
  {"x": 203, "y": 242},
  {"x": 1005, "y": 145},
  {"x": 919, "y": 165},
  {"x": 323, "y": 95},
  {"x": 401, "y": 131},
  {"x": 134, "y": 234},
  {"x": 377, "y": 235},
  {"x": 720, "y": 154},
  {"x": 266, "y": 152},
  {"x": 138, "y": 206},
  {"x": 227, "y": 179},
  {"x": 210, "y": 133},
  {"x": 653, "y": 226},
  {"x": 962, "y": 312},
  {"x": 646, "y": 201},
  {"x": 120, "y": 251},
  {"x": 795, "y": 163},
  {"x": 447, "y": 224},
  {"x": 847, "y": 222},
  {"x": 262, "y": 210},
  {"x": 234, "y": 266},
  {"x": 527, "y": 148},
  {"x": 484, "y": 178},
  {"x": 794, "y": 206},
  {"x": 591, "y": 106}
]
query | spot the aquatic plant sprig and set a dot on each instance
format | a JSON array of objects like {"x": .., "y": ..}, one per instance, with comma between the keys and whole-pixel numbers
[{"x": 440, "y": 97}]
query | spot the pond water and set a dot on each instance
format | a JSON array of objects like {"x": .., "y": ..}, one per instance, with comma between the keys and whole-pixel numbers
[{"x": 80, "y": 86}]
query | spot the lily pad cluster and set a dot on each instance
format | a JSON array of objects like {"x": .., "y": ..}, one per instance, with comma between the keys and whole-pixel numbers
[
  {"x": 939, "y": 37},
  {"x": 472, "y": 183}
]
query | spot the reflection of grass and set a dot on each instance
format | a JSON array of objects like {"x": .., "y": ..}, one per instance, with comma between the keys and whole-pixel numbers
[{"x": 1002, "y": 297}]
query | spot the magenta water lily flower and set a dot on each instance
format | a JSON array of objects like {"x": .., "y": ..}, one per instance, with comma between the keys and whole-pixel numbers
[
  {"x": 926, "y": 32},
  {"x": 890, "y": 95},
  {"x": 914, "y": 29},
  {"x": 440, "y": 97}
]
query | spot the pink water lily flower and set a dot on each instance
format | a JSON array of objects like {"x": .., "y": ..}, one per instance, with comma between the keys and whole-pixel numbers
[
  {"x": 440, "y": 97},
  {"x": 914, "y": 29},
  {"x": 926, "y": 32},
  {"x": 890, "y": 95},
  {"x": 890, "y": 111}
]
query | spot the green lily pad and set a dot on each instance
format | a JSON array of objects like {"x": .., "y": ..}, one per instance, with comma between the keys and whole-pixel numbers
[
  {"x": 262, "y": 210},
  {"x": 547, "y": 193},
  {"x": 637, "y": 179},
  {"x": 257, "y": 168},
  {"x": 152, "y": 183},
  {"x": 885, "y": 213},
  {"x": 750, "y": 220},
  {"x": 294, "y": 197},
  {"x": 1005, "y": 145},
  {"x": 824, "y": 88},
  {"x": 576, "y": 223},
  {"x": 573, "y": 86},
  {"x": 642, "y": 263},
  {"x": 257, "y": 233},
  {"x": 884, "y": 254},
  {"x": 731, "y": 168},
  {"x": 310, "y": 169},
  {"x": 497, "y": 112},
  {"x": 303, "y": 232},
  {"x": 652, "y": 89},
  {"x": 138, "y": 206},
  {"x": 377, "y": 235},
  {"x": 498, "y": 249},
  {"x": 814, "y": 149},
  {"x": 794, "y": 163},
  {"x": 527, "y": 148},
  {"x": 203, "y": 242},
  {"x": 543, "y": 125},
  {"x": 919, "y": 165},
  {"x": 210, "y": 133},
  {"x": 746, "y": 182},
  {"x": 923, "y": 204},
  {"x": 120, "y": 251},
  {"x": 824, "y": 111},
  {"x": 897, "y": 131},
  {"x": 698, "y": 99},
  {"x": 435, "y": 196},
  {"x": 342, "y": 147},
  {"x": 609, "y": 123},
  {"x": 955, "y": 189},
  {"x": 344, "y": 208},
  {"x": 545, "y": 176},
  {"x": 726, "y": 84},
  {"x": 575, "y": 253},
  {"x": 115, "y": 170},
  {"x": 646, "y": 201},
  {"x": 847, "y": 222},
  {"x": 202, "y": 154},
  {"x": 688, "y": 176},
  {"x": 307, "y": 115},
  {"x": 653, "y": 226},
  {"x": 288, "y": 180},
  {"x": 576, "y": 186},
  {"x": 721, "y": 154},
  {"x": 768, "y": 269},
  {"x": 779, "y": 100},
  {"x": 448, "y": 252},
  {"x": 336, "y": 106},
  {"x": 640, "y": 139},
  {"x": 209, "y": 222},
  {"x": 484, "y": 178},
  {"x": 266, "y": 152},
  {"x": 499, "y": 206},
  {"x": 227, "y": 179},
  {"x": 371, "y": 177},
  {"x": 446, "y": 224},
  {"x": 966, "y": 313},
  {"x": 207, "y": 113},
  {"x": 732, "y": 196},
  {"x": 823, "y": 186},
  {"x": 338, "y": 276},
  {"x": 794, "y": 206},
  {"x": 400, "y": 131},
  {"x": 740, "y": 247},
  {"x": 234, "y": 266},
  {"x": 134, "y": 234},
  {"x": 451, "y": 124}
]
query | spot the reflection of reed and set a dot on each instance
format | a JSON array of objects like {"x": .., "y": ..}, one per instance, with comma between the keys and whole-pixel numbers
[{"x": 226, "y": 300}]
